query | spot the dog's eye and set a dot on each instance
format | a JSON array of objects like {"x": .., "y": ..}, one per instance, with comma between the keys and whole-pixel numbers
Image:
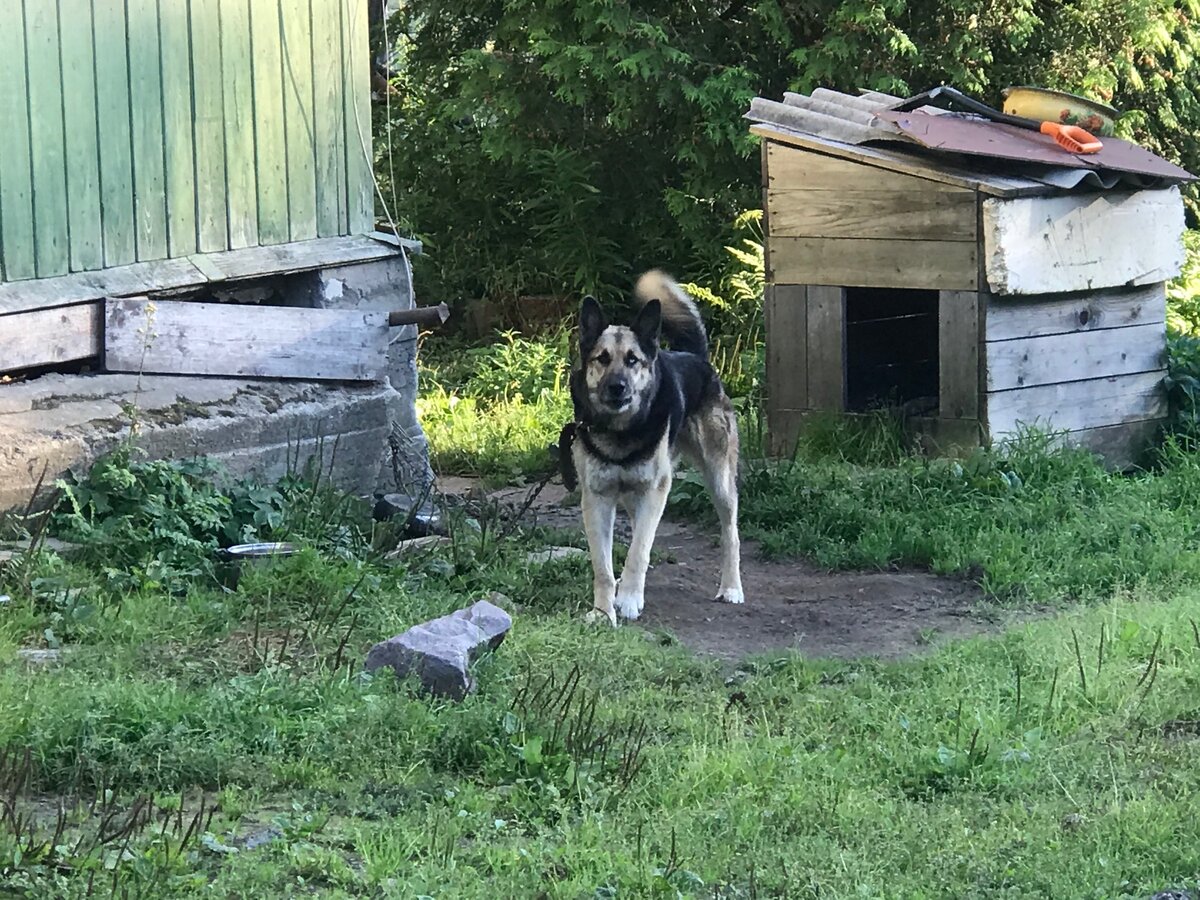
[
  {"x": 631, "y": 360},
  {"x": 604, "y": 358}
]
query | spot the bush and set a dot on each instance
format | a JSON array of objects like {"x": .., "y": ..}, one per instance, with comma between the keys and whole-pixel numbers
[{"x": 560, "y": 148}]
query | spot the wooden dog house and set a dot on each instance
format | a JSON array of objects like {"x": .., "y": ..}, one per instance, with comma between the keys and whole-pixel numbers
[{"x": 980, "y": 293}]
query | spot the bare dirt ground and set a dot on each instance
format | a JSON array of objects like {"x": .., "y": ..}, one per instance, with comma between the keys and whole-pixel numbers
[{"x": 789, "y": 605}]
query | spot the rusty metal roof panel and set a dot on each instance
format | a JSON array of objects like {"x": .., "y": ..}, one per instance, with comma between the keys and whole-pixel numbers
[
  {"x": 998, "y": 158},
  {"x": 979, "y": 137}
]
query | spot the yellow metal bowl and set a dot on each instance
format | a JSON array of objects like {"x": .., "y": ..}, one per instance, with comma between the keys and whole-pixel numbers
[{"x": 1057, "y": 106}]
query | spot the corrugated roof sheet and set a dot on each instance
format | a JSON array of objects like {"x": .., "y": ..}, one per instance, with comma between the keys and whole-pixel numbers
[{"x": 998, "y": 159}]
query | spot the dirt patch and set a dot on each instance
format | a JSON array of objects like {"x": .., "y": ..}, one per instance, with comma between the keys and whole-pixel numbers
[{"x": 789, "y": 605}]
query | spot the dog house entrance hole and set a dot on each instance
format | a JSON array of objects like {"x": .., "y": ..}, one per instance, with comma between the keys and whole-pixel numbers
[{"x": 891, "y": 349}]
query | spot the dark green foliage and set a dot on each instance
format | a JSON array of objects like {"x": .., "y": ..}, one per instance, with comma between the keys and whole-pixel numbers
[
  {"x": 559, "y": 148},
  {"x": 151, "y": 522}
]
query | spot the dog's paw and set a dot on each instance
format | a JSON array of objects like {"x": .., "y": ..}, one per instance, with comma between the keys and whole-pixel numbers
[
  {"x": 732, "y": 595},
  {"x": 629, "y": 607},
  {"x": 600, "y": 617}
]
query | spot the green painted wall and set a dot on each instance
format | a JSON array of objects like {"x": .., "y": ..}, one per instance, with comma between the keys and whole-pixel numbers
[{"x": 136, "y": 130}]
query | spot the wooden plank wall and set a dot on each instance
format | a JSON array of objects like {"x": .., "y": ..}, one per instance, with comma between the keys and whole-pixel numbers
[
  {"x": 833, "y": 224},
  {"x": 139, "y": 130},
  {"x": 1090, "y": 364},
  {"x": 833, "y": 221}
]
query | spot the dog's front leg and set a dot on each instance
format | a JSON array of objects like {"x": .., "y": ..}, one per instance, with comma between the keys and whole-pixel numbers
[
  {"x": 599, "y": 512},
  {"x": 646, "y": 510}
]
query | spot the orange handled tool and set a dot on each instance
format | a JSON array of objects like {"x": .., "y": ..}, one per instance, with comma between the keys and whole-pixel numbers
[{"x": 1071, "y": 137}]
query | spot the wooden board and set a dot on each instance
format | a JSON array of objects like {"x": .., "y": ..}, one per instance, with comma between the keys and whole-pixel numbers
[
  {"x": 113, "y": 125},
  {"x": 48, "y": 337},
  {"x": 295, "y": 257},
  {"x": 328, "y": 109},
  {"x": 269, "y": 138},
  {"x": 1119, "y": 446},
  {"x": 179, "y": 148},
  {"x": 82, "y": 143},
  {"x": 1078, "y": 356},
  {"x": 958, "y": 354},
  {"x": 181, "y": 338},
  {"x": 296, "y": 32},
  {"x": 1014, "y": 318},
  {"x": 16, "y": 179},
  {"x": 238, "y": 88},
  {"x": 1082, "y": 241},
  {"x": 858, "y": 213},
  {"x": 360, "y": 157},
  {"x": 891, "y": 160},
  {"x": 1077, "y": 405},
  {"x": 169, "y": 274},
  {"x": 146, "y": 101},
  {"x": 793, "y": 169},
  {"x": 786, "y": 317},
  {"x": 47, "y": 139},
  {"x": 826, "y": 347},
  {"x": 208, "y": 94},
  {"x": 852, "y": 262}
]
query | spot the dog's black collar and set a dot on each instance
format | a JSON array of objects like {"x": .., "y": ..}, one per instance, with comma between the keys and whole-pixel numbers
[{"x": 583, "y": 431}]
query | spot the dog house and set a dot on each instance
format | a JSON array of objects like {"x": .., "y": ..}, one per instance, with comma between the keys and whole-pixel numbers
[
  {"x": 974, "y": 275},
  {"x": 187, "y": 226}
]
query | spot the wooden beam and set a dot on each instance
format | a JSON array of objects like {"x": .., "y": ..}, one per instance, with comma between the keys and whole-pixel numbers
[
  {"x": 958, "y": 354},
  {"x": 1014, "y": 318},
  {"x": 852, "y": 262},
  {"x": 182, "y": 338},
  {"x": 197, "y": 270},
  {"x": 1078, "y": 405},
  {"x": 826, "y": 342},
  {"x": 786, "y": 315},
  {"x": 1057, "y": 358},
  {"x": 868, "y": 213},
  {"x": 48, "y": 337},
  {"x": 992, "y": 185},
  {"x": 1083, "y": 241}
]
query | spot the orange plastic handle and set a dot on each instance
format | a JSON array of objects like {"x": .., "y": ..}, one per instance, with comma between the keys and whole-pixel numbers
[{"x": 1072, "y": 137}]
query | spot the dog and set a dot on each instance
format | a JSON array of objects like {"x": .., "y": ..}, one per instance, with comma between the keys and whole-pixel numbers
[{"x": 638, "y": 408}]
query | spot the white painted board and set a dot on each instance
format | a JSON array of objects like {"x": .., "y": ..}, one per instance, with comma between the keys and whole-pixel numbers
[
  {"x": 182, "y": 338},
  {"x": 1080, "y": 242}
]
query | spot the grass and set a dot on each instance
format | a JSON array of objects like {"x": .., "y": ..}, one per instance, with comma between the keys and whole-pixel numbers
[
  {"x": 198, "y": 739},
  {"x": 1061, "y": 759}
]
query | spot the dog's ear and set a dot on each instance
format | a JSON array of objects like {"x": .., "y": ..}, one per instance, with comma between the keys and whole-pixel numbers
[
  {"x": 648, "y": 327},
  {"x": 592, "y": 321}
]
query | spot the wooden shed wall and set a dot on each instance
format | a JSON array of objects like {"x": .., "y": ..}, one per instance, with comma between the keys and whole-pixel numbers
[
  {"x": 834, "y": 221},
  {"x": 140, "y": 130}
]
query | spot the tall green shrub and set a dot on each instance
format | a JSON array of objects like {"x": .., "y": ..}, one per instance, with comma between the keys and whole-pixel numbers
[{"x": 555, "y": 148}]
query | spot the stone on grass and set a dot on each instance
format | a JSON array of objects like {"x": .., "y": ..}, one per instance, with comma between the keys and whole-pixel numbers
[
  {"x": 554, "y": 554},
  {"x": 39, "y": 658},
  {"x": 441, "y": 651}
]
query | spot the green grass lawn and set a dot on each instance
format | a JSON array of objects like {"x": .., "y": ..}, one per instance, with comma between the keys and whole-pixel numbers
[{"x": 195, "y": 740}]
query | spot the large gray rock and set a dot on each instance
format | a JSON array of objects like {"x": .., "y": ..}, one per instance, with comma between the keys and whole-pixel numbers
[{"x": 441, "y": 651}]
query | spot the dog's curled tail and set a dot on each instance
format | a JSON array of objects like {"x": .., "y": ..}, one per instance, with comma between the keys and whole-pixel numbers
[{"x": 682, "y": 325}]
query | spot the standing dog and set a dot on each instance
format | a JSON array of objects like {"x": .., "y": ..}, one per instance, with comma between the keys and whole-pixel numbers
[{"x": 637, "y": 408}]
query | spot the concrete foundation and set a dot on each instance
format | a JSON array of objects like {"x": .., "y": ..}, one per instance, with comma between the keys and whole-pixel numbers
[{"x": 366, "y": 437}]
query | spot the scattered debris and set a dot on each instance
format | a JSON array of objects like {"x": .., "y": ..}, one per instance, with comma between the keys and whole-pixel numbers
[
  {"x": 554, "y": 554},
  {"x": 430, "y": 542},
  {"x": 40, "y": 658},
  {"x": 441, "y": 650},
  {"x": 259, "y": 838},
  {"x": 418, "y": 514},
  {"x": 1173, "y": 894}
]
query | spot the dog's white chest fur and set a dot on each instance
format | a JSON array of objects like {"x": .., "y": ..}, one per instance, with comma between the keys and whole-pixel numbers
[{"x": 612, "y": 480}]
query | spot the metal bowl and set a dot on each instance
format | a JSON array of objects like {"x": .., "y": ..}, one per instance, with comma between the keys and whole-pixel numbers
[
  {"x": 1046, "y": 105},
  {"x": 234, "y": 559},
  {"x": 259, "y": 551}
]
